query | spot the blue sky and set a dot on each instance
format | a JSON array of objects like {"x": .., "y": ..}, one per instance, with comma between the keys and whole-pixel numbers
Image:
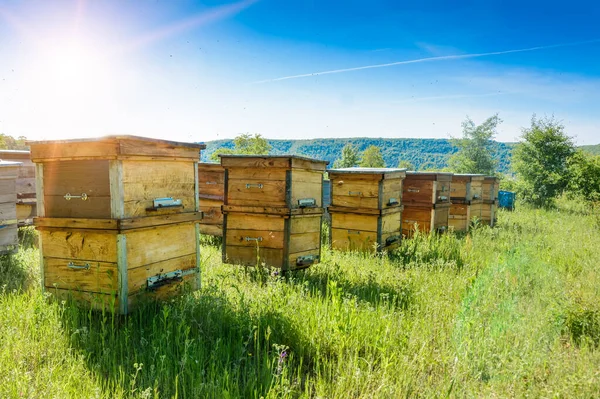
[{"x": 195, "y": 71}]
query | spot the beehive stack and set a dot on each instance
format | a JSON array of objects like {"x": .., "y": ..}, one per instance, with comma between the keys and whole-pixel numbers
[
  {"x": 211, "y": 189},
  {"x": 426, "y": 200},
  {"x": 25, "y": 186},
  {"x": 366, "y": 208},
  {"x": 273, "y": 210},
  {"x": 118, "y": 216},
  {"x": 489, "y": 205},
  {"x": 8, "y": 208},
  {"x": 466, "y": 197}
]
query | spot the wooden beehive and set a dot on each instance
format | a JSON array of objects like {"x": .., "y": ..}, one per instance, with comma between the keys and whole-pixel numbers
[
  {"x": 211, "y": 189},
  {"x": 118, "y": 216},
  {"x": 8, "y": 208},
  {"x": 466, "y": 190},
  {"x": 426, "y": 200},
  {"x": 25, "y": 186},
  {"x": 272, "y": 210},
  {"x": 366, "y": 208},
  {"x": 489, "y": 206}
]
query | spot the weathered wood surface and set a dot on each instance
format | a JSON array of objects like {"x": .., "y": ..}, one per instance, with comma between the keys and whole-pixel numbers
[
  {"x": 365, "y": 232},
  {"x": 490, "y": 189},
  {"x": 113, "y": 147},
  {"x": 275, "y": 240},
  {"x": 366, "y": 188},
  {"x": 272, "y": 161},
  {"x": 466, "y": 188},
  {"x": 426, "y": 188},
  {"x": 269, "y": 210},
  {"x": 8, "y": 208},
  {"x": 425, "y": 218},
  {"x": 90, "y": 261}
]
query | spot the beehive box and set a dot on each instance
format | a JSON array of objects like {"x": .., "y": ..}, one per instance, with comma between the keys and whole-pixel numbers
[
  {"x": 376, "y": 231},
  {"x": 211, "y": 190},
  {"x": 8, "y": 208},
  {"x": 285, "y": 240},
  {"x": 118, "y": 216},
  {"x": 366, "y": 210},
  {"x": 490, "y": 200},
  {"x": 426, "y": 200},
  {"x": 272, "y": 210},
  {"x": 466, "y": 189},
  {"x": 25, "y": 186},
  {"x": 366, "y": 188}
]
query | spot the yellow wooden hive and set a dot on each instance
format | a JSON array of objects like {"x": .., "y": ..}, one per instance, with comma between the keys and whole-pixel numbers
[
  {"x": 8, "y": 208},
  {"x": 211, "y": 189},
  {"x": 118, "y": 216},
  {"x": 486, "y": 212},
  {"x": 426, "y": 200},
  {"x": 366, "y": 208},
  {"x": 272, "y": 210},
  {"x": 25, "y": 186},
  {"x": 466, "y": 195}
]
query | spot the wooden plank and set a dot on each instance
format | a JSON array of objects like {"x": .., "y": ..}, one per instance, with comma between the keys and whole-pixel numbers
[
  {"x": 305, "y": 224},
  {"x": 157, "y": 244},
  {"x": 254, "y": 238},
  {"x": 137, "y": 278},
  {"x": 39, "y": 189},
  {"x": 392, "y": 193},
  {"x": 365, "y": 211},
  {"x": 257, "y": 174},
  {"x": 230, "y": 162},
  {"x": 300, "y": 242},
  {"x": 292, "y": 258},
  {"x": 159, "y": 220},
  {"x": 101, "y": 277},
  {"x": 298, "y": 163},
  {"x": 353, "y": 240},
  {"x": 76, "y": 223},
  {"x": 25, "y": 185},
  {"x": 391, "y": 223},
  {"x": 417, "y": 191},
  {"x": 306, "y": 184},
  {"x": 251, "y": 256},
  {"x": 160, "y": 171},
  {"x": 80, "y": 245},
  {"x": 198, "y": 258},
  {"x": 93, "y": 207},
  {"x": 267, "y": 223},
  {"x": 352, "y": 221},
  {"x": 256, "y": 192},
  {"x": 55, "y": 150},
  {"x": 117, "y": 207},
  {"x": 76, "y": 178},
  {"x": 154, "y": 149},
  {"x": 270, "y": 210}
]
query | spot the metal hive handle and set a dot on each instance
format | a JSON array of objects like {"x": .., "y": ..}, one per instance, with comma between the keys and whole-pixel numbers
[
  {"x": 259, "y": 239},
  {"x": 73, "y": 266},
  {"x": 250, "y": 185},
  {"x": 354, "y": 193},
  {"x": 83, "y": 196}
]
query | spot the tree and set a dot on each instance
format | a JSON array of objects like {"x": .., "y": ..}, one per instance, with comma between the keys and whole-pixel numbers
[
  {"x": 10, "y": 143},
  {"x": 403, "y": 164},
  {"x": 372, "y": 158},
  {"x": 245, "y": 144},
  {"x": 541, "y": 161},
  {"x": 476, "y": 147},
  {"x": 584, "y": 176},
  {"x": 349, "y": 159}
]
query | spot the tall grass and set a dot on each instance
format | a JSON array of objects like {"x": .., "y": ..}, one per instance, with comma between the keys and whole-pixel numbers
[{"x": 505, "y": 312}]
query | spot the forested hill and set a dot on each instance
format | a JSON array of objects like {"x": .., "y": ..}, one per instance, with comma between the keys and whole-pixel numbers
[
  {"x": 423, "y": 153},
  {"x": 592, "y": 149}
]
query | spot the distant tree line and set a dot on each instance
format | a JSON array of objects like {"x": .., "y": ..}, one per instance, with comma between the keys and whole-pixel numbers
[{"x": 10, "y": 143}]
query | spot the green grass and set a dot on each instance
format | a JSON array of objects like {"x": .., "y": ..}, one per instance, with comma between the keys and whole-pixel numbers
[{"x": 506, "y": 312}]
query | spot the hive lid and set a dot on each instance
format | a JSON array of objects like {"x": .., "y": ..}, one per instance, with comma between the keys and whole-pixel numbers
[
  {"x": 272, "y": 161},
  {"x": 366, "y": 170},
  {"x": 14, "y": 154},
  {"x": 113, "y": 147}
]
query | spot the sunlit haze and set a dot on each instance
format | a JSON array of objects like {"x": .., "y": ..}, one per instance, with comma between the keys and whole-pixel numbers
[{"x": 199, "y": 71}]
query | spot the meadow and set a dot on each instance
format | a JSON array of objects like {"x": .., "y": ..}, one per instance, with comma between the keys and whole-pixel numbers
[{"x": 509, "y": 311}]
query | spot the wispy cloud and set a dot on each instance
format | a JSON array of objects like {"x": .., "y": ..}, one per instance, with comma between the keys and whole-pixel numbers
[
  {"x": 453, "y": 97},
  {"x": 428, "y": 59}
]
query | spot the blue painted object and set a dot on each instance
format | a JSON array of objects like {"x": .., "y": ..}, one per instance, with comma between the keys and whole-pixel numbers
[{"x": 506, "y": 200}]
